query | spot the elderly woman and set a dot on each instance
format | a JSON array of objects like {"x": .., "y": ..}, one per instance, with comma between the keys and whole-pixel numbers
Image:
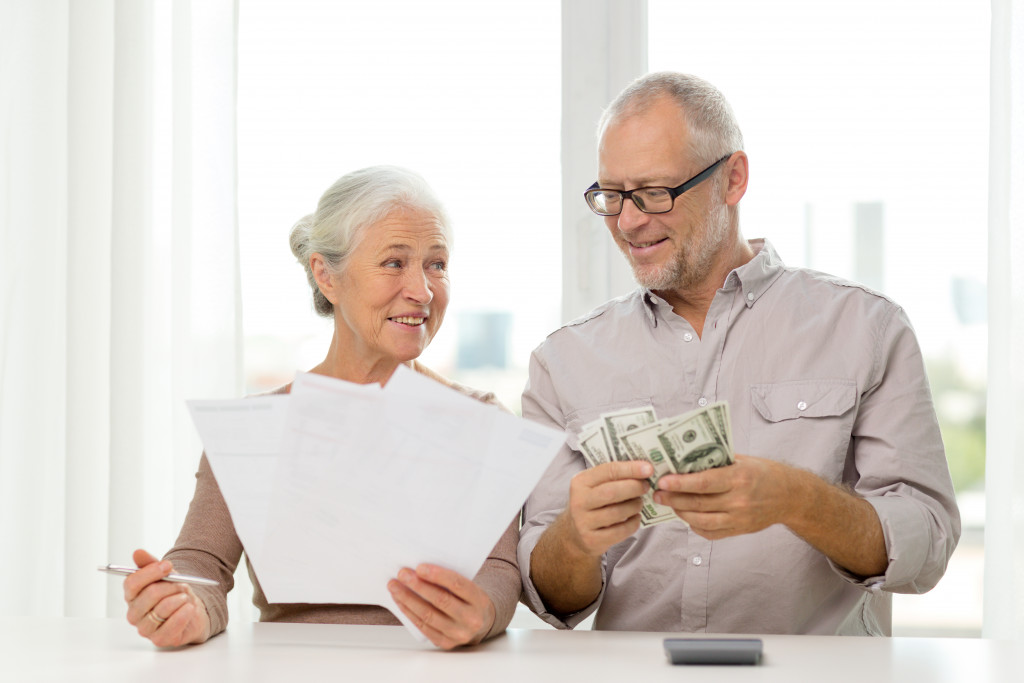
[{"x": 376, "y": 255}]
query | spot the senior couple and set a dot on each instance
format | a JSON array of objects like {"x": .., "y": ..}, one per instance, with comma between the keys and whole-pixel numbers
[{"x": 839, "y": 496}]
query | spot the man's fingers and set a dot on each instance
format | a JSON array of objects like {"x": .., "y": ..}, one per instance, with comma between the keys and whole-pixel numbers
[
  {"x": 614, "y": 471},
  {"x": 711, "y": 526},
  {"x": 608, "y": 535},
  {"x": 612, "y": 493},
  {"x": 690, "y": 502},
  {"x": 613, "y": 515},
  {"x": 708, "y": 482}
]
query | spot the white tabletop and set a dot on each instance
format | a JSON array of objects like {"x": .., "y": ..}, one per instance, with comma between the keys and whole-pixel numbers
[{"x": 110, "y": 650}]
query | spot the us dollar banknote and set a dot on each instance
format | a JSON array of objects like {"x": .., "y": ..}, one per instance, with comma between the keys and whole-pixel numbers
[{"x": 692, "y": 442}]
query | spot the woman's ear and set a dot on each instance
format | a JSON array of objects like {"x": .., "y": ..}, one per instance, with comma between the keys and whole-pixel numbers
[{"x": 318, "y": 266}]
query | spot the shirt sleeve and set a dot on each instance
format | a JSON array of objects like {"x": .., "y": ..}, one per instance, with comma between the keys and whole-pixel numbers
[
  {"x": 208, "y": 546},
  {"x": 900, "y": 466},
  {"x": 550, "y": 496}
]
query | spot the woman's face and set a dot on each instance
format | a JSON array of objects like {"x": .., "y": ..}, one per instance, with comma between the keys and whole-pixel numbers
[{"x": 391, "y": 296}]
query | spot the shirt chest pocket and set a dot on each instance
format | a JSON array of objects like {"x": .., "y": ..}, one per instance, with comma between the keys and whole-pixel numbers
[{"x": 807, "y": 423}]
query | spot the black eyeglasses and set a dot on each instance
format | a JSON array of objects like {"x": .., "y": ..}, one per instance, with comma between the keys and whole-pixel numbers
[{"x": 648, "y": 199}]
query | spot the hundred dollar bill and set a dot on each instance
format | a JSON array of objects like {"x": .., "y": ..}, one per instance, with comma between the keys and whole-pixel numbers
[
  {"x": 691, "y": 442},
  {"x": 643, "y": 444},
  {"x": 623, "y": 421},
  {"x": 651, "y": 513},
  {"x": 594, "y": 445},
  {"x": 593, "y": 439},
  {"x": 694, "y": 444},
  {"x": 719, "y": 412}
]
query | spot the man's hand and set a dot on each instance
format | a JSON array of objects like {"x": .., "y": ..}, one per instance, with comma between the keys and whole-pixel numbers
[
  {"x": 604, "y": 508},
  {"x": 754, "y": 493},
  {"x": 604, "y": 505},
  {"x": 747, "y": 496}
]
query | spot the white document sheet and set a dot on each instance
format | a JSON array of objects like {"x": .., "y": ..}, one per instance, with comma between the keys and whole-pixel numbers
[
  {"x": 354, "y": 482},
  {"x": 242, "y": 440}
]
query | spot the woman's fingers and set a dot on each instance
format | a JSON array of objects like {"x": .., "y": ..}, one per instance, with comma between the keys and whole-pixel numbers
[
  {"x": 180, "y": 628},
  {"x": 437, "y": 626},
  {"x": 169, "y": 614},
  {"x": 143, "y": 557},
  {"x": 175, "y": 620},
  {"x": 150, "y": 570},
  {"x": 447, "y": 607},
  {"x": 150, "y": 596}
]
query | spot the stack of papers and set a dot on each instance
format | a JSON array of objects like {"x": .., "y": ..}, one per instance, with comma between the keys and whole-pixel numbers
[{"x": 336, "y": 486}]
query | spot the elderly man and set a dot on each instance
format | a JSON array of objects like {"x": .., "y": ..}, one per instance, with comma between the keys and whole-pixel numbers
[{"x": 839, "y": 494}]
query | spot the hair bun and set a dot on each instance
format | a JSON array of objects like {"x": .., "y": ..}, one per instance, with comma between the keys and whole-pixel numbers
[{"x": 299, "y": 238}]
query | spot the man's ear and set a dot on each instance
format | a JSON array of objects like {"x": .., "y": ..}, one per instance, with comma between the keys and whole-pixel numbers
[
  {"x": 318, "y": 266},
  {"x": 737, "y": 171}
]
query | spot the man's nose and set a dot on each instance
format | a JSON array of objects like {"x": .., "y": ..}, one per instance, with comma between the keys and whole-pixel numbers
[{"x": 631, "y": 217}]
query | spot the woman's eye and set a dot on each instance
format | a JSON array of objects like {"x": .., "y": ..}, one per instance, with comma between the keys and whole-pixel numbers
[
  {"x": 439, "y": 266},
  {"x": 393, "y": 263}
]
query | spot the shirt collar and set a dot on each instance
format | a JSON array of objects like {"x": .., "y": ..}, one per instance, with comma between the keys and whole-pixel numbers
[{"x": 752, "y": 278}]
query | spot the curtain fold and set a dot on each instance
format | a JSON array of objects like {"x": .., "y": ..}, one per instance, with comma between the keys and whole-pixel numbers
[
  {"x": 1004, "y": 485},
  {"x": 119, "y": 289}
]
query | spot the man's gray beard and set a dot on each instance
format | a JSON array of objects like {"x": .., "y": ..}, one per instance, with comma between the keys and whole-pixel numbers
[{"x": 693, "y": 261}]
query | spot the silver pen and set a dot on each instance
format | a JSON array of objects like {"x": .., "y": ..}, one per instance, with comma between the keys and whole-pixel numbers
[{"x": 172, "y": 577}]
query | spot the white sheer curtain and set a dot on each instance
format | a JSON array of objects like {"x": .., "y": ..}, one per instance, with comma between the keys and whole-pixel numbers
[
  {"x": 119, "y": 285},
  {"x": 1004, "y": 485}
]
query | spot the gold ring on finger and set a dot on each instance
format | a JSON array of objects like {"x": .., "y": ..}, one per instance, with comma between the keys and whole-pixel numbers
[{"x": 156, "y": 620}]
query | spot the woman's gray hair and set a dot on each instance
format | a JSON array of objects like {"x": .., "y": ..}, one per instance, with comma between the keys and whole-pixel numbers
[
  {"x": 352, "y": 204},
  {"x": 714, "y": 132}
]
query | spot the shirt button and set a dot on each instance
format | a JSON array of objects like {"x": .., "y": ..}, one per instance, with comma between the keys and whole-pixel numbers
[
  {"x": 750, "y": 296},
  {"x": 802, "y": 405},
  {"x": 697, "y": 560},
  {"x": 702, "y": 401},
  {"x": 688, "y": 337}
]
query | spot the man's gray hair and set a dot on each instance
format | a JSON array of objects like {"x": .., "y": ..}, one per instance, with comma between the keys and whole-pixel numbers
[
  {"x": 349, "y": 207},
  {"x": 714, "y": 132}
]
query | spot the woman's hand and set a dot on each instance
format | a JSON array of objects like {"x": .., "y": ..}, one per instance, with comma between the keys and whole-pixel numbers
[
  {"x": 445, "y": 606},
  {"x": 169, "y": 614}
]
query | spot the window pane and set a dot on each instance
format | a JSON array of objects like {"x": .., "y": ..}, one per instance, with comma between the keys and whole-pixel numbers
[
  {"x": 867, "y": 128},
  {"x": 465, "y": 93}
]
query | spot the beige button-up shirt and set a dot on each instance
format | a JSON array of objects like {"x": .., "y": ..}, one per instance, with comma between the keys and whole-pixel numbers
[{"x": 819, "y": 373}]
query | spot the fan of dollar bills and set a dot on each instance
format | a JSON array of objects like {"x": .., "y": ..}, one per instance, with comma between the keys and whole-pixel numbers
[{"x": 692, "y": 442}]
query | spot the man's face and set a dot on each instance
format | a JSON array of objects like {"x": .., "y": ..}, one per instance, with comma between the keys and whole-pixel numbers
[{"x": 672, "y": 250}]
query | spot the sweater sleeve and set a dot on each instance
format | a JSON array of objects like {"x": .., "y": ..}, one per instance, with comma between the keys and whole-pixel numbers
[
  {"x": 499, "y": 578},
  {"x": 208, "y": 546}
]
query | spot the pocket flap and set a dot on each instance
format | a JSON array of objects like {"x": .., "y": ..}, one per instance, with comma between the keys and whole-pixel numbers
[{"x": 804, "y": 398}]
